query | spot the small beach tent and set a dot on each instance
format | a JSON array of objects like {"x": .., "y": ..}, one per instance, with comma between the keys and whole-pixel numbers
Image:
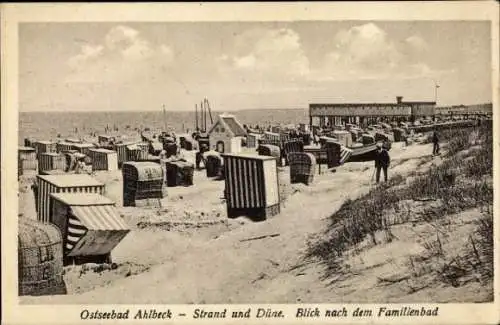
[
  {"x": 271, "y": 138},
  {"x": 258, "y": 196},
  {"x": 226, "y": 135},
  {"x": 27, "y": 156},
  {"x": 384, "y": 136},
  {"x": 103, "y": 159},
  {"x": 349, "y": 126},
  {"x": 178, "y": 173},
  {"x": 40, "y": 258},
  {"x": 64, "y": 146},
  {"x": 343, "y": 137},
  {"x": 137, "y": 152},
  {"x": 318, "y": 153},
  {"x": 276, "y": 129},
  {"x": 29, "y": 142},
  {"x": 82, "y": 148},
  {"x": 45, "y": 146},
  {"x": 155, "y": 148},
  {"x": 105, "y": 140},
  {"x": 20, "y": 171},
  {"x": 142, "y": 183},
  {"x": 386, "y": 126},
  {"x": 170, "y": 149},
  {"x": 337, "y": 154},
  {"x": 253, "y": 140},
  {"x": 293, "y": 146},
  {"x": 367, "y": 139},
  {"x": 270, "y": 150},
  {"x": 324, "y": 139},
  {"x": 354, "y": 135},
  {"x": 51, "y": 161},
  {"x": 144, "y": 147},
  {"x": 27, "y": 153},
  {"x": 398, "y": 134},
  {"x": 121, "y": 149},
  {"x": 213, "y": 163},
  {"x": 303, "y": 127},
  {"x": 91, "y": 226},
  {"x": 66, "y": 183}
]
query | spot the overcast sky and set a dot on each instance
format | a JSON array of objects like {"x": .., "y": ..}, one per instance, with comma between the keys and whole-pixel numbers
[{"x": 140, "y": 66}]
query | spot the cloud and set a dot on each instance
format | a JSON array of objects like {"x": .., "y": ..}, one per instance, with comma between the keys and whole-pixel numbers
[
  {"x": 88, "y": 52},
  {"x": 368, "y": 52},
  {"x": 363, "y": 50},
  {"x": 274, "y": 53},
  {"x": 417, "y": 43},
  {"x": 122, "y": 55}
]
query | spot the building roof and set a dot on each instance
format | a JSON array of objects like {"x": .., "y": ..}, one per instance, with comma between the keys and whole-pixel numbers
[
  {"x": 403, "y": 103},
  {"x": 45, "y": 142},
  {"x": 82, "y": 199},
  {"x": 231, "y": 123},
  {"x": 71, "y": 180},
  {"x": 355, "y": 104},
  {"x": 234, "y": 125},
  {"x": 418, "y": 102}
]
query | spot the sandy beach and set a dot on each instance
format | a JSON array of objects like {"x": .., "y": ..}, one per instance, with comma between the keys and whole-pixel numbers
[{"x": 188, "y": 251}]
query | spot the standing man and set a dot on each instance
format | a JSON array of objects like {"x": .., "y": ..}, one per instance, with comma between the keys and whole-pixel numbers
[
  {"x": 435, "y": 141},
  {"x": 382, "y": 161}
]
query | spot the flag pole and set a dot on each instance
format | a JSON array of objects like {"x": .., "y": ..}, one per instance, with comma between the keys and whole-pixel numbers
[{"x": 436, "y": 86}]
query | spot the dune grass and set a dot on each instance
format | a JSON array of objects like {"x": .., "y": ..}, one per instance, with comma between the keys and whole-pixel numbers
[{"x": 458, "y": 186}]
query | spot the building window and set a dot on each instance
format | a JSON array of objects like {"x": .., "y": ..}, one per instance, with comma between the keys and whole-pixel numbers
[{"x": 222, "y": 130}]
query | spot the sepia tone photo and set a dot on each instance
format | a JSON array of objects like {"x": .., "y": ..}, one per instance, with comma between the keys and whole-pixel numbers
[{"x": 255, "y": 162}]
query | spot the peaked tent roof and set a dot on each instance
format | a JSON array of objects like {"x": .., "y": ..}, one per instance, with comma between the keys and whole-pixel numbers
[{"x": 231, "y": 123}]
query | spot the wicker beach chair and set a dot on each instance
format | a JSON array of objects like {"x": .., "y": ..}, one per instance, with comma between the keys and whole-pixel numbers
[
  {"x": 270, "y": 150},
  {"x": 40, "y": 259},
  {"x": 302, "y": 167}
]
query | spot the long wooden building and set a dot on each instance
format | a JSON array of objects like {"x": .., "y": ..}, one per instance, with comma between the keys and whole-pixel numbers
[{"x": 368, "y": 113}]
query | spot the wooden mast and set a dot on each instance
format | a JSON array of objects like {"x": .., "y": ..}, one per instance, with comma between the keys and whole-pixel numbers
[
  {"x": 209, "y": 110},
  {"x": 164, "y": 119},
  {"x": 203, "y": 118},
  {"x": 196, "y": 116}
]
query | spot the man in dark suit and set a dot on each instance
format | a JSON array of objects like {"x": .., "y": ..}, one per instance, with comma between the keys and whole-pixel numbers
[
  {"x": 382, "y": 161},
  {"x": 435, "y": 141}
]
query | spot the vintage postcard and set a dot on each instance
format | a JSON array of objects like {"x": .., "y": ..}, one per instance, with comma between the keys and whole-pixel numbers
[{"x": 260, "y": 163}]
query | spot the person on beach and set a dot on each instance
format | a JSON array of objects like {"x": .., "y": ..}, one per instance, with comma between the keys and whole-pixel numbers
[
  {"x": 382, "y": 161},
  {"x": 435, "y": 141}
]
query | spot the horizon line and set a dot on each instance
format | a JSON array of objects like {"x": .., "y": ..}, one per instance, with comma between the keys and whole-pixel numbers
[
  {"x": 237, "y": 110},
  {"x": 150, "y": 110}
]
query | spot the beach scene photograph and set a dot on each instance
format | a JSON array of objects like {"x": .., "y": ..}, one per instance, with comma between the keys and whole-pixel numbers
[{"x": 242, "y": 162}]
